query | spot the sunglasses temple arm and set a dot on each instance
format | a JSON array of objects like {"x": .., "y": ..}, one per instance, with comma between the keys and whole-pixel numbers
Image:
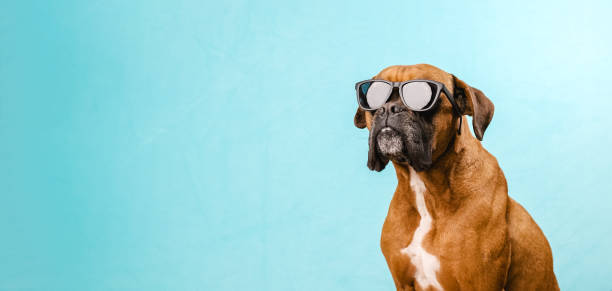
[
  {"x": 455, "y": 108},
  {"x": 460, "y": 123}
]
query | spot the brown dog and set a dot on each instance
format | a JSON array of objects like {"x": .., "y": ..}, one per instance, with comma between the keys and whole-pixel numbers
[{"x": 451, "y": 224}]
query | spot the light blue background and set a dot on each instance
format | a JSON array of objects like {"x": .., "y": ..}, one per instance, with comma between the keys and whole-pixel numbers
[{"x": 187, "y": 145}]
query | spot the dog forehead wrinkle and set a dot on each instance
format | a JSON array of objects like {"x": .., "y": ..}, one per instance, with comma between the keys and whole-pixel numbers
[
  {"x": 426, "y": 264},
  {"x": 412, "y": 72}
]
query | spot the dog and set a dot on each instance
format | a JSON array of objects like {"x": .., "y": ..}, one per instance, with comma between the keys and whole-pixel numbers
[{"x": 451, "y": 224}]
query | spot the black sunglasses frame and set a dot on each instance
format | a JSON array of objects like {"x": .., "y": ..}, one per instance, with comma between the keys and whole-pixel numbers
[{"x": 439, "y": 87}]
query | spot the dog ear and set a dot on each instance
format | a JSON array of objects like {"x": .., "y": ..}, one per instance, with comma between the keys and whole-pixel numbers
[
  {"x": 473, "y": 102},
  {"x": 360, "y": 119}
]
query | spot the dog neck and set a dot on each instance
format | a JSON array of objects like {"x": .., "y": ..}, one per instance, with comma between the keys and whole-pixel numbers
[{"x": 454, "y": 175}]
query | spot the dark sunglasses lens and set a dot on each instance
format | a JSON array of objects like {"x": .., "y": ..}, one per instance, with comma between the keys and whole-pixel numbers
[
  {"x": 418, "y": 95},
  {"x": 372, "y": 95}
]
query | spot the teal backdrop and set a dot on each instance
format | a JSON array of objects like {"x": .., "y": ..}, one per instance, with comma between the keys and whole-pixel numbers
[{"x": 209, "y": 145}]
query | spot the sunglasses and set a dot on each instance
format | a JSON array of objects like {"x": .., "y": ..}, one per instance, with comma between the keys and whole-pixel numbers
[{"x": 417, "y": 95}]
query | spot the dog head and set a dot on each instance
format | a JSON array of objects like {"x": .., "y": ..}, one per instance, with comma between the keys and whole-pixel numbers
[{"x": 420, "y": 138}]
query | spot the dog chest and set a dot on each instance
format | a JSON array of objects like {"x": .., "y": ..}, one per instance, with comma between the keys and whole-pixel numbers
[{"x": 426, "y": 264}]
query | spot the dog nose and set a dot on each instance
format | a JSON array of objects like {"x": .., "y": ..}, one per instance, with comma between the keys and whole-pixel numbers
[{"x": 391, "y": 108}]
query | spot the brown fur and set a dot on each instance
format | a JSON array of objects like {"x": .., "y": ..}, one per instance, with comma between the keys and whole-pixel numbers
[{"x": 483, "y": 239}]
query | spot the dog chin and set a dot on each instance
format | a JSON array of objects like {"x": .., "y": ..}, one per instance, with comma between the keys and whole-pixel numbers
[{"x": 390, "y": 144}]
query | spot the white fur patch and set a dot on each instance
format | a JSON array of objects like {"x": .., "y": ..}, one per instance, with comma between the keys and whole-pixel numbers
[{"x": 427, "y": 265}]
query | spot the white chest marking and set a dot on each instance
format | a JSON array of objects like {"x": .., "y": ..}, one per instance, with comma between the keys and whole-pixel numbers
[{"x": 427, "y": 265}]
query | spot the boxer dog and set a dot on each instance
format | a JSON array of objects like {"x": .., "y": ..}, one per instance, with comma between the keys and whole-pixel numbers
[{"x": 451, "y": 224}]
